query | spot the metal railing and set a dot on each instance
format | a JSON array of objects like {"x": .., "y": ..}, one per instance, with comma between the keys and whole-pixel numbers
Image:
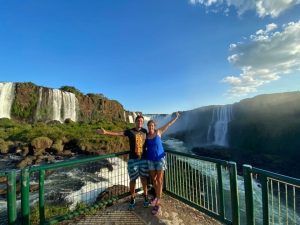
[
  {"x": 59, "y": 191},
  {"x": 9, "y": 177},
  {"x": 198, "y": 181},
  {"x": 275, "y": 195}
]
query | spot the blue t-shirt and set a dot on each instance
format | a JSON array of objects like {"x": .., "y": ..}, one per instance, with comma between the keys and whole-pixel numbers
[{"x": 155, "y": 150}]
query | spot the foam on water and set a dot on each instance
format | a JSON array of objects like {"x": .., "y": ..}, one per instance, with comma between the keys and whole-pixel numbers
[{"x": 90, "y": 190}]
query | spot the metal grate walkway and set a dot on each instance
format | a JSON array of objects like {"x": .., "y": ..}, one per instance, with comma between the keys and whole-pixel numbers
[{"x": 173, "y": 212}]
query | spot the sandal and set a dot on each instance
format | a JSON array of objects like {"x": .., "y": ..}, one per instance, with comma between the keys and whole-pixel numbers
[
  {"x": 155, "y": 210},
  {"x": 154, "y": 201}
]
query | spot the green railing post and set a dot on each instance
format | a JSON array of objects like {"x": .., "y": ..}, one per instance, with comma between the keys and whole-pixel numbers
[
  {"x": 25, "y": 196},
  {"x": 11, "y": 197},
  {"x": 247, "y": 172},
  {"x": 234, "y": 194},
  {"x": 42, "y": 196},
  {"x": 220, "y": 190},
  {"x": 265, "y": 199}
]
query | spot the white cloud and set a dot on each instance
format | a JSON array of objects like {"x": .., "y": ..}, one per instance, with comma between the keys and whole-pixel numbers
[
  {"x": 272, "y": 8},
  {"x": 266, "y": 56}
]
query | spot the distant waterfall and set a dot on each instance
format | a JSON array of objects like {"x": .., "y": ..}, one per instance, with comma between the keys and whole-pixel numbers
[
  {"x": 160, "y": 119},
  {"x": 70, "y": 104},
  {"x": 130, "y": 119},
  {"x": 55, "y": 104},
  {"x": 218, "y": 128},
  {"x": 56, "y": 98},
  {"x": 7, "y": 95},
  {"x": 134, "y": 115},
  {"x": 125, "y": 119}
]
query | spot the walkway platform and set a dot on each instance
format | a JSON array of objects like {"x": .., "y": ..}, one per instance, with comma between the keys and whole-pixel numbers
[{"x": 173, "y": 212}]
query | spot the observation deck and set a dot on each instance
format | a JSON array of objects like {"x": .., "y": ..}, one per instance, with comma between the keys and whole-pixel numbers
[{"x": 197, "y": 190}]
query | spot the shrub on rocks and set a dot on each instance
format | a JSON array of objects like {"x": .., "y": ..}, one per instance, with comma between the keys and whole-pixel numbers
[
  {"x": 41, "y": 143},
  {"x": 4, "y": 146},
  {"x": 58, "y": 146}
]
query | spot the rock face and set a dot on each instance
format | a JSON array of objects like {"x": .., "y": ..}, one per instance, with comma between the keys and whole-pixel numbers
[
  {"x": 96, "y": 107},
  {"x": 31, "y": 103},
  {"x": 112, "y": 191}
]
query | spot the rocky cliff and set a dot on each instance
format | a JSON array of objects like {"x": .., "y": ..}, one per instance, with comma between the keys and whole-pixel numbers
[{"x": 31, "y": 103}]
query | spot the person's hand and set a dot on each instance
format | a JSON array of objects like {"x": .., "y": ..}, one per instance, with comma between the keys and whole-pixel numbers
[
  {"x": 177, "y": 114},
  {"x": 100, "y": 131}
]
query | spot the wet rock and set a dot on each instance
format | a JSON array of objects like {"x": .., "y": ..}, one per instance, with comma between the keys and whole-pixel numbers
[
  {"x": 67, "y": 153},
  {"x": 112, "y": 191},
  {"x": 27, "y": 161}
]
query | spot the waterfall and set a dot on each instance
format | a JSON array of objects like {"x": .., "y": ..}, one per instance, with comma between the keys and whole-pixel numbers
[
  {"x": 160, "y": 119},
  {"x": 70, "y": 105},
  {"x": 134, "y": 116},
  {"x": 125, "y": 119},
  {"x": 56, "y": 97},
  {"x": 7, "y": 91},
  {"x": 217, "y": 130},
  {"x": 55, "y": 104},
  {"x": 130, "y": 119}
]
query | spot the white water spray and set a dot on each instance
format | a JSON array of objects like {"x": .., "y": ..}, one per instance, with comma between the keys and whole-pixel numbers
[
  {"x": 218, "y": 127},
  {"x": 7, "y": 95}
]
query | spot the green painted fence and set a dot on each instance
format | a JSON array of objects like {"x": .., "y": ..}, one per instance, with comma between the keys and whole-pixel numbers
[{"x": 207, "y": 184}]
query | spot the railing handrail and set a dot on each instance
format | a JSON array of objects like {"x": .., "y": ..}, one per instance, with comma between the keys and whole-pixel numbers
[
  {"x": 203, "y": 158},
  {"x": 277, "y": 176},
  {"x": 73, "y": 162}
]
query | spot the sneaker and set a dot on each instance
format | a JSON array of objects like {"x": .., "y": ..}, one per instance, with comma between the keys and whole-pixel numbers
[
  {"x": 131, "y": 205},
  {"x": 146, "y": 202}
]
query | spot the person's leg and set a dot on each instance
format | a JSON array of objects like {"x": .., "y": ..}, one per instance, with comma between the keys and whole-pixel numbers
[
  {"x": 160, "y": 179},
  {"x": 132, "y": 188},
  {"x": 153, "y": 178},
  {"x": 154, "y": 181},
  {"x": 133, "y": 175},
  {"x": 144, "y": 184},
  {"x": 144, "y": 174},
  {"x": 160, "y": 167}
]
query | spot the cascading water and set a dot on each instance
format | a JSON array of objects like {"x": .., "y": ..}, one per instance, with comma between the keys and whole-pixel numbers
[
  {"x": 56, "y": 97},
  {"x": 70, "y": 105},
  {"x": 130, "y": 118},
  {"x": 7, "y": 95},
  {"x": 55, "y": 104},
  {"x": 125, "y": 118},
  {"x": 160, "y": 119},
  {"x": 217, "y": 130}
]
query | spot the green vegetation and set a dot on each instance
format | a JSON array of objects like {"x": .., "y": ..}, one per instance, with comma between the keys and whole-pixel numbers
[
  {"x": 71, "y": 89},
  {"x": 58, "y": 210},
  {"x": 19, "y": 110},
  {"x": 50, "y": 211},
  {"x": 25, "y": 102},
  {"x": 75, "y": 135}
]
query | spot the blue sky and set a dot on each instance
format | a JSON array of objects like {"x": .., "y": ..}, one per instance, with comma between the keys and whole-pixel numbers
[{"x": 156, "y": 56}]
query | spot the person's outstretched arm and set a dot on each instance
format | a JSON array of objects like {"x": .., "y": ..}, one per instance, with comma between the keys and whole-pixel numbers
[
  {"x": 164, "y": 128},
  {"x": 107, "y": 132}
]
